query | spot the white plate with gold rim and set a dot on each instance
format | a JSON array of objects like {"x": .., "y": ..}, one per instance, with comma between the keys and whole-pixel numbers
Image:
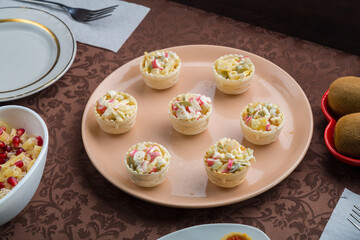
[{"x": 36, "y": 49}]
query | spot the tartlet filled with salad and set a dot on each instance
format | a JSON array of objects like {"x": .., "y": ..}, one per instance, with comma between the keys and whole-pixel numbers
[
  {"x": 190, "y": 113},
  {"x": 261, "y": 122},
  {"x": 233, "y": 73},
  {"x": 160, "y": 69},
  {"x": 147, "y": 163},
  {"x": 116, "y": 112},
  {"x": 227, "y": 162}
]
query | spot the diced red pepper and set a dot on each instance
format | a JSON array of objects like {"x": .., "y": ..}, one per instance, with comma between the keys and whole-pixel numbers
[
  {"x": 3, "y": 128},
  {"x": 155, "y": 64},
  {"x": 132, "y": 153},
  {"x": 198, "y": 99},
  {"x": 101, "y": 108},
  {"x": 268, "y": 127},
  {"x": 243, "y": 58},
  {"x": 166, "y": 54},
  {"x": 2, "y": 185},
  {"x": 188, "y": 109},
  {"x": 210, "y": 162},
  {"x": 1, "y": 131},
  {"x": 247, "y": 120},
  {"x": 153, "y": 155},
  {"x": 174, "y": 107},
  {"x": 230, "y": 163},
  {"x": 148, "y": 150},
  {"x": 153, "y": 170}
]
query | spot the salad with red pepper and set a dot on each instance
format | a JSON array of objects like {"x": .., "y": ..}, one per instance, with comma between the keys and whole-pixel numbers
[{"x": 228, "y": 156}]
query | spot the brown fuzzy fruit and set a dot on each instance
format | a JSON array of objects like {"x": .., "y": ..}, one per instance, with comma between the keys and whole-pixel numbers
[
  {"x": 347, "y": 135},
  {"x": 344, "y": 95}
]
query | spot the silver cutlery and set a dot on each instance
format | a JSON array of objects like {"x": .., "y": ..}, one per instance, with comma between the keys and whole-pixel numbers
[
  {"x": 355, "y": 217},
  {"x": 78, "y": 14}
]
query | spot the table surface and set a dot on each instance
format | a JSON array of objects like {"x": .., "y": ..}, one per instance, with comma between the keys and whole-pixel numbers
[{"x": 74, "y": 201}]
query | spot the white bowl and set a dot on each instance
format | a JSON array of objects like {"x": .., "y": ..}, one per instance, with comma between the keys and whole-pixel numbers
[{"x": 17, "y": 199}]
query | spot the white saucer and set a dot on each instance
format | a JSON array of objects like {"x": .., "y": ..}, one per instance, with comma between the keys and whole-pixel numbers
[
  {"x": 36, "y": 50},
  {"x": 215, "y": 232}
]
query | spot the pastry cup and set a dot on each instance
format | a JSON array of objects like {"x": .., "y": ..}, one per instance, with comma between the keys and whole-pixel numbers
[
  {"x": 232, "y": 87},
  {"x": 188, "y": 127},
  {"x": 158, "y": 81},
  {"x": 260, "y": 137},
  {"x": 148, "y": 179},
  {"x": 116, "y": 127},
  {"x": 227, "y": 180}
]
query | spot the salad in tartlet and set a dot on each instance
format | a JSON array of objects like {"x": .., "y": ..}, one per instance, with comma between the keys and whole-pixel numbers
[
  {"x": 227, "y": 162},
  {"x": 160, "y": 69},
  {"x": 261, "y": 122},
  {"x": 190, "y": 113},
  {"x": 233, "y": 73},
  {"x": 147, "y": 163},
  {"x": 116, "y": 112}
]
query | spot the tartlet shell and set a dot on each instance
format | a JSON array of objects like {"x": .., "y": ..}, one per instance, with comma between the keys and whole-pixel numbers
[
  {"x": 260, "y": 137},
  {"x": 152, "y": 179},
  {"x": 228, "y": 86},
  {"x": 226, "y": 180},
  {"x": 189, "y": 127},
  {"x": 160, "y": 82},
  {"x": 114, "y": 127}
]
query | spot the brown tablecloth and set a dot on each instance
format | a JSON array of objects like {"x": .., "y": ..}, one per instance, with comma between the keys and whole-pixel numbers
[{"x": 74, "y": 201}]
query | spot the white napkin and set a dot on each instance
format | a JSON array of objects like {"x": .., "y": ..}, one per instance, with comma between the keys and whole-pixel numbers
[
  {"x": 338, "y": 227},
  {"x": 109, "y": 33}
]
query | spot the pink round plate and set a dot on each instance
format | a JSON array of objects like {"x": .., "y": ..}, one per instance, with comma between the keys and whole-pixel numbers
[
  {"x": 329, "y": 133},
  {"x": 186, "y": 184}
]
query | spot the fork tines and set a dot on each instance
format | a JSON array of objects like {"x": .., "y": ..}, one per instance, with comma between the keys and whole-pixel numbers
[
  {"x": 98, "y": 14},
  {"x": 355, "y": 216}
]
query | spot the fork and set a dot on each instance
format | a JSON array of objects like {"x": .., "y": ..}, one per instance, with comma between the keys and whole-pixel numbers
[
  {"x": 356, "y": 217},
  {"x": 78, "y": 14}
]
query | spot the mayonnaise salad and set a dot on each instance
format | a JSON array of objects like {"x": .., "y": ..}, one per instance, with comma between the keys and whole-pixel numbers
[
  {"x": 234, "y": 67},
  {"x": 147, "y": 158},
  {"x": 160, "y": 62},
  {"x": 228, "y": 156},
  {"x": 262, "y": 116},
  {"x": 190, "y": 106},
  {"x": 116, "y": 106}
]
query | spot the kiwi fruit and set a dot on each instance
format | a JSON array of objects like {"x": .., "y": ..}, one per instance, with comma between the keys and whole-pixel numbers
[
  {"x": 344, "y": 95},
  {"x": 347, "y": 135}
]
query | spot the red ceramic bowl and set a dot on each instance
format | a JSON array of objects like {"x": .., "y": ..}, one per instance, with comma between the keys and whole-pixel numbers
[{"x": 329, "y": 133}]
